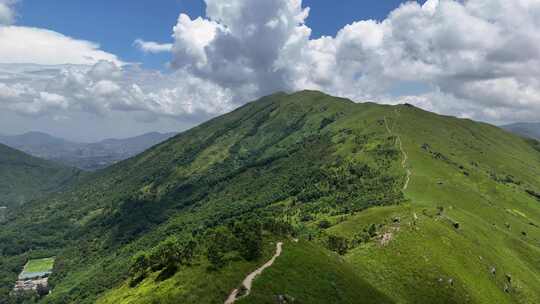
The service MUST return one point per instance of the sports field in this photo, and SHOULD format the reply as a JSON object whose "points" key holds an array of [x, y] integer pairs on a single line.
{"points": [[37, 267]]}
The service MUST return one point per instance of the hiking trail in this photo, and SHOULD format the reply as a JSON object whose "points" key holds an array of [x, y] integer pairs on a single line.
{"points": [[248, 281], [405, 156]]}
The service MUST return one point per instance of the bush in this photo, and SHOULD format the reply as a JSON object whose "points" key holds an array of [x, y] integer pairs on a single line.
{"points": [[324, 224], [168, 255], [338, 244]]}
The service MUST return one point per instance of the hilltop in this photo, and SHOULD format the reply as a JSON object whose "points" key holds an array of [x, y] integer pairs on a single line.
{"points": [[390, 204]]}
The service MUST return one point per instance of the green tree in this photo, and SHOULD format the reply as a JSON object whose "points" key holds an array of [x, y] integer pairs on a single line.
{"points": [[220, 241], [338, 244], [139, 268], [249, 235]]}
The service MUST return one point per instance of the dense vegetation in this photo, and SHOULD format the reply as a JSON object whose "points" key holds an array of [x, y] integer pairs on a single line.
{"points": [[185, 221], [23, 177]]}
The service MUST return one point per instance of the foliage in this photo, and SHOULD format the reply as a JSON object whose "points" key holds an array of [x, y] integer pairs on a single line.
{"points": [[167, 256], [280, 166], [337, 244], [24, 178]]}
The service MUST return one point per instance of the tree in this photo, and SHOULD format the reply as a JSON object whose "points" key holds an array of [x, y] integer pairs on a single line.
{"points": [[219, 243], [42, 290], [372, 230], [324, 224], [167, 256], [249, 235], [139, 264], [338, 244]]}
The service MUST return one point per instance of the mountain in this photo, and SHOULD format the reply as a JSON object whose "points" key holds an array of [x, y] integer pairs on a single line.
{"points": [[530, 130], [23, 177], [373, 204], [86, 156]]}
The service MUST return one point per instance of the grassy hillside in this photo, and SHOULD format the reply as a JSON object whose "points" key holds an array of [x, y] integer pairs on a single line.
{"points": [[391, 205], [23, 177]]}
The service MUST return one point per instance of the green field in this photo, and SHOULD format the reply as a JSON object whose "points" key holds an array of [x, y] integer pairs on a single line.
{"points": [[39, 265]]}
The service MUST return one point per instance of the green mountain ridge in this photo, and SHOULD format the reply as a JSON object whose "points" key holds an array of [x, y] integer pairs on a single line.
{"points": [[391, 204], [23, 177]]}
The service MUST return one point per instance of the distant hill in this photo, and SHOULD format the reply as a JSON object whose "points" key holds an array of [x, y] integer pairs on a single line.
{"points": [[24, 177], [531, 130], [373, 203], [86, 156]]}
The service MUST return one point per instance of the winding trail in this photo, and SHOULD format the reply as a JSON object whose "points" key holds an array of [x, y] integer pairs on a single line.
{"points": [[405, 156], [248, 281]]}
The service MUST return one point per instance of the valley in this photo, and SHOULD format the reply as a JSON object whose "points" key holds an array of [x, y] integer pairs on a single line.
{"points": [[340, 202], [85, 156]]}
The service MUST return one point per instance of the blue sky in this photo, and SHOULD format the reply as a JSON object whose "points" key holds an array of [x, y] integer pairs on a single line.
{"points": [[116, 24], [474, 59]]}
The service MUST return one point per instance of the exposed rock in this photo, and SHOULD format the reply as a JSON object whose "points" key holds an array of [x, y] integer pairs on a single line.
{"points": [[284, 299]]}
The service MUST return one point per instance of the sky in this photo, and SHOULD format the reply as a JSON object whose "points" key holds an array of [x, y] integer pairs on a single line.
{"points": [[88, 70], [122, 22]]}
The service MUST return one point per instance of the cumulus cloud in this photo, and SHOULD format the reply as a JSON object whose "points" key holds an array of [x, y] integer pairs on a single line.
{"points": [[483, 52], [7, 14], [106, 87], [477, 58], [153, 47], [41, 46], [238, 46]]}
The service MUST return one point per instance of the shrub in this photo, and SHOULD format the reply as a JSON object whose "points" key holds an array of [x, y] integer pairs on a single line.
{"points": [[338, 244], [324, 224]]}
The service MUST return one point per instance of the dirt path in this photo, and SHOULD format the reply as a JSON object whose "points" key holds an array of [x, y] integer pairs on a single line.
{"points": [[405, 156], [248, 281]]}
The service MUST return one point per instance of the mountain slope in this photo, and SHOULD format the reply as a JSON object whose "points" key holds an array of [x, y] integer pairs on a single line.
{"points": [[530, 130], [86, 156], [408, 198], [23, 177]]}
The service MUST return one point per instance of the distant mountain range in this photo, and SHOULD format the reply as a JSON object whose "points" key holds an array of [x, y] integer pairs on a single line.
{"points": [[531, 130], [86, 156]]}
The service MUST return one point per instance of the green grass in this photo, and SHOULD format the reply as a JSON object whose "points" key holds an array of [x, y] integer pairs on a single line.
{"points": [[194, 284], [304, 158], [39, 265], [311, 274], [492, 217]]}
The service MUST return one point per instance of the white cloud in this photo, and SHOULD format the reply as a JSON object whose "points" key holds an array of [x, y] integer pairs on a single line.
{"points": [[472, 54], [238, 46], [153, 47], [106, 87], [45, 47], [7, 14], [474, 58]]}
